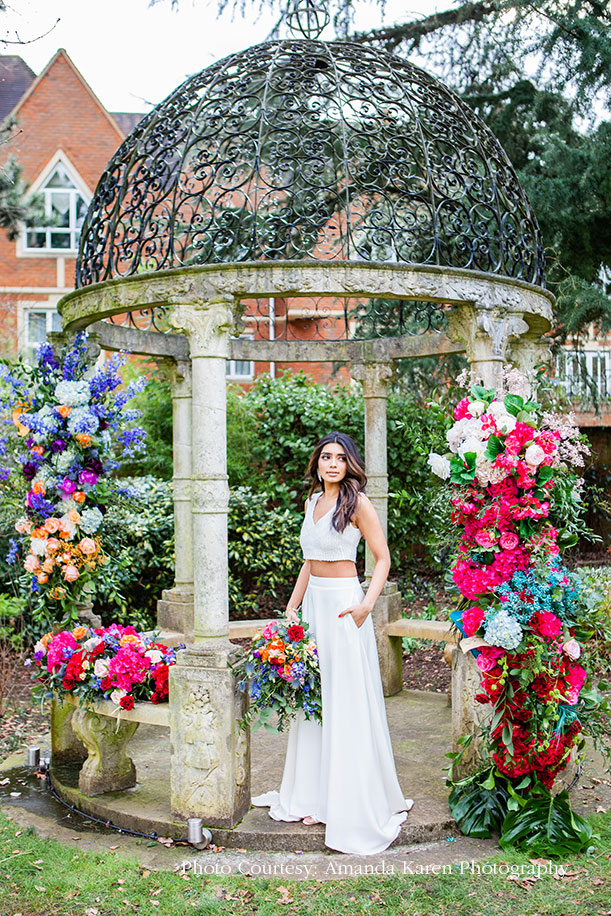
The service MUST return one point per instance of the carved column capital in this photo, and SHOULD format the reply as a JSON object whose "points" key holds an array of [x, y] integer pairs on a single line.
{"points": [[207, 323], [375, 377], [485, 332]]}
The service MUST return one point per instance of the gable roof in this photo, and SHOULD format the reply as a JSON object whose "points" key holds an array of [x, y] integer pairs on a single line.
{"points": [[15, 78], [127, 120]]}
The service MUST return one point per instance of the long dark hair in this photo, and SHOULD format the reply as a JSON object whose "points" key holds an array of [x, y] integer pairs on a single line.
{"points": [[352, 484]]}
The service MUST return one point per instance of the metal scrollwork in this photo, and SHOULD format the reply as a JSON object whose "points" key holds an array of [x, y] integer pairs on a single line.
{"points": [[301, 149]]}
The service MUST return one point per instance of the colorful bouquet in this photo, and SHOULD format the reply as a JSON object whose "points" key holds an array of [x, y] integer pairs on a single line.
{"points": [[106, 663], [283, 674], [63, 421], [519, 615]]}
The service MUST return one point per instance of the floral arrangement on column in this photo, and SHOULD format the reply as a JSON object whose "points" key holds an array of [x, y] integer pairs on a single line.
{"points": [[65, 426], [513, 473]]}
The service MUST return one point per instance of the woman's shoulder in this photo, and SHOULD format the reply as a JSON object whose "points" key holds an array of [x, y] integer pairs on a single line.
{"points": [[362, 500]]}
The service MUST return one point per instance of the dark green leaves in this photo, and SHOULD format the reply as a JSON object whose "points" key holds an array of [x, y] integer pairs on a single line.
{"points": [[546, 826], [463, 471]]}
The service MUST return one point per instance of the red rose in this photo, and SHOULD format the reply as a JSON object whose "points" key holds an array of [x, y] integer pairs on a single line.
{"points": [[69, 682], [127, 702], [295, 632], [156, 698], [105, 684]]}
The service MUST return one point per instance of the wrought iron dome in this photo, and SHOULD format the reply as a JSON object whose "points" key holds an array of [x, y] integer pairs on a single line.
{"points": [[301, 149]]}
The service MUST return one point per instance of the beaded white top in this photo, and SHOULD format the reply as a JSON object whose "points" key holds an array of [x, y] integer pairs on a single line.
{"points": [[320, 541]]}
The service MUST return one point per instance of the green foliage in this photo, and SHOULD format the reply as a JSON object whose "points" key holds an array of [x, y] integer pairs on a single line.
{"points": [[155, 402], [11, 622], [594, 627], [264, 551], [139, 543], [479, 804], [545, 825]]}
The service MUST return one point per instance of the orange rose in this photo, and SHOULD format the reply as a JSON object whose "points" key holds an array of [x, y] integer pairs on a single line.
{"points": [[48, 565], [64, 411], [79, 632], [129, 639], [42, 578], [40, 533], [64, 534], [37, 449], [39, 487], [88, 546], [52, 525], [46, 639], [71, 573], [57, 593], [83, 439], [52, 545], [73, 517], [78, 496]]}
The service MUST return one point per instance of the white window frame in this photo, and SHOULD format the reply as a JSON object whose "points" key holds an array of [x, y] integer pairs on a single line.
{"points": [[597, 366], [39, 187], [231, 373], [28, 347]]}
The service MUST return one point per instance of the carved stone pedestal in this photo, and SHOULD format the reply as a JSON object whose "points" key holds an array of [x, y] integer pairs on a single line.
{"points": [[387, 609], [175, 611], [107, 767], [467, 714], [210, 757], [66, 747]]}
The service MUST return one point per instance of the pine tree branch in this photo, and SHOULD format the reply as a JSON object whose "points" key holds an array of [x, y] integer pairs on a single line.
{"points": [[392, 36]]}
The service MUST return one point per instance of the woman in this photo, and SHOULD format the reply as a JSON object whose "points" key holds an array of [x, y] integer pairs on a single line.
{"points": [[341, 773]]}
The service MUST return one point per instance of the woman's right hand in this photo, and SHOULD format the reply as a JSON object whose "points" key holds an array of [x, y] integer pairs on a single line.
{"points": [[292, 615]]}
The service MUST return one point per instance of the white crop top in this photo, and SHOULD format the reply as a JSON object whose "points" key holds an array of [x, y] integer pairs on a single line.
{"points": [[320, 541]]}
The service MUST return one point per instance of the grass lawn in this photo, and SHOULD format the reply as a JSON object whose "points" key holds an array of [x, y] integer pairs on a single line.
{"points": [[42, 877]]}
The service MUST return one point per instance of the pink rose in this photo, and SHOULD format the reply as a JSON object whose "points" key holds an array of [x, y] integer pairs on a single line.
{"points": [[31, 563], [572, 648], [509, 540], [488, 657], [23, 525], [472, 620], [88, 546], [53, 544], [71, 573], [485, 538]]}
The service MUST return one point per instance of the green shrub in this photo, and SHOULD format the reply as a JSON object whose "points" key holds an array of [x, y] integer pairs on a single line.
{"points": [[264, 552]]}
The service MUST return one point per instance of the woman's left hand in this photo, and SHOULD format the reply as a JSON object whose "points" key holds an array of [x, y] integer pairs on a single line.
{"points": [[359, 612]]}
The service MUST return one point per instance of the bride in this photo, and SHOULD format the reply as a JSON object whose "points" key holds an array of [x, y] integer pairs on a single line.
{"points": [[341, 773]]}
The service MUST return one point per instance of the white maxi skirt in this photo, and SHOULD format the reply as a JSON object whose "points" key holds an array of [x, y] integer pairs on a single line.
{"points": [[343, 771]]}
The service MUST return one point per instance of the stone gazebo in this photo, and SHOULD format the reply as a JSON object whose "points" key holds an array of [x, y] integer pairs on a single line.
{"points": [[324, 180]]}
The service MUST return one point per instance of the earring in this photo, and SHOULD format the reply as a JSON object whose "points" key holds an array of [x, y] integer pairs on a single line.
{"points": [[318, 475]]}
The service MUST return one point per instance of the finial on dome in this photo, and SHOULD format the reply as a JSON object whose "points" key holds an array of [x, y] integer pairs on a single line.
{"points": [[306, 20]]}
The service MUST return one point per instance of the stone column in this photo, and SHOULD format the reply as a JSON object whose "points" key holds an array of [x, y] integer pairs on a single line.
{"points": [[375, 378], [210, 758], [486, 333], [175, 609]]}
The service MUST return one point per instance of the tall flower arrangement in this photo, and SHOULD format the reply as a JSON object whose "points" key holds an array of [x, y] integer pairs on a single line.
{"points": [[65, 426], [508, 460]]}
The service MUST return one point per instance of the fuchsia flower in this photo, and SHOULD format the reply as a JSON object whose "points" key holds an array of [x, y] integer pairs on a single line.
{"points": [[509, 540], [488, 656], [485, 538], [462, 410], [128, 667], [546, 624], [55, 650], [472, 620], [576, 677]]}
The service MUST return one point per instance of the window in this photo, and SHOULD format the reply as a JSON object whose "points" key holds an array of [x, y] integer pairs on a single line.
{"points": [[39, 322], [240, 370], [583, 370], [64, 211]]}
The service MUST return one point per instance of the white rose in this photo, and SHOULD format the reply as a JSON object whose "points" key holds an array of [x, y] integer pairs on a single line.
{"points": [[476, 408], [40, 647], [90, 644], [116, 695], [438, 464], [534, 455], [155, 655], [100, 669]]}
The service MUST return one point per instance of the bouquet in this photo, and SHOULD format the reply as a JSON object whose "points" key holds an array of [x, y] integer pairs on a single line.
{"points": [[64, 423], [105, 663], [283, 674]]}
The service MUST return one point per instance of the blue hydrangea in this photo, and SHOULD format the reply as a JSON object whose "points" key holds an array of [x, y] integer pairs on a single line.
{"points": [[503, 630], [81, 420], [91, 519]]}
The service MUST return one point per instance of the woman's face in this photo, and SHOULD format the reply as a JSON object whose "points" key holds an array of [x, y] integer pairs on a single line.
{"points": [[332, 464]]}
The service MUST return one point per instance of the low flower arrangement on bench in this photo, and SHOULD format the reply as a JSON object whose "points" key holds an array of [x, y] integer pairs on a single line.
{"points": [[113, 663], [516, 497], [281, 669]]}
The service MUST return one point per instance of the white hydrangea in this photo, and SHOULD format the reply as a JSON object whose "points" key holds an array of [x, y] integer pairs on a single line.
{"points": [[64, 460], [463, 430], [72, 394], [472, 445], [487, 474], [503, 630]]}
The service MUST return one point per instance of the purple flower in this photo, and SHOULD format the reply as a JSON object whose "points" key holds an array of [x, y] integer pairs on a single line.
{"points": [[29, 471], [103, 424], [38, 503], [88, 478], [95, 465], [67, 485], [58, 445]]}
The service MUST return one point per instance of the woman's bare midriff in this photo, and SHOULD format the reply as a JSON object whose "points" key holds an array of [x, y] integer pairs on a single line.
{"points": [[332, 568]]}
